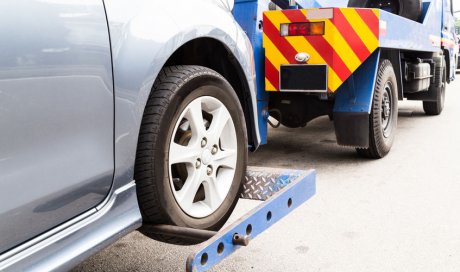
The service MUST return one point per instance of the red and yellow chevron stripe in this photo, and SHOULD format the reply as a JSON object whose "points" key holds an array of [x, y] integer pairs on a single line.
{"points": [[351, 36]]}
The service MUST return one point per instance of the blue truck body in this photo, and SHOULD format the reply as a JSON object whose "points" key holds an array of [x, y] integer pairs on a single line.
{"points": [[432, 33]]}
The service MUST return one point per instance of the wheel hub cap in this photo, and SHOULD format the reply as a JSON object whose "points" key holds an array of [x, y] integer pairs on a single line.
{"points": [[386, 114], [386, 108], [211, 140], [206, 157]]}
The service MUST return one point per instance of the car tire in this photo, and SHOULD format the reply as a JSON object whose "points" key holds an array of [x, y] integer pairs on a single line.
{"points": [[192, 152], [410, 9], [384, 113], [436, 107]]}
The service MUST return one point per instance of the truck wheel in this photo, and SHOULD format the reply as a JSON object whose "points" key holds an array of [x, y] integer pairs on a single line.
{"points": [[436, 107], [384, 113], [192, 151], [411, 9]]}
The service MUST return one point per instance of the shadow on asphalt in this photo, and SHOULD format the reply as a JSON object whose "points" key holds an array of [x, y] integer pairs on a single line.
{"points": [[315, 145], [303, 148]]}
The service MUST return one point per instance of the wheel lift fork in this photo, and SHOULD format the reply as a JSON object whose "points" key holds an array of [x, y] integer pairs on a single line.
{"points": [[281, 190]]}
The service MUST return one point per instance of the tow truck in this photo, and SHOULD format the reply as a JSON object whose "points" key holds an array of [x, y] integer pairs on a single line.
{"points": [[351, 60]]}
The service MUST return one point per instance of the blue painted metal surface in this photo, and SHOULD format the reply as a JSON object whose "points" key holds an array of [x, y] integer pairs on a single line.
{"points": [[425, 7], [299, 186], [356, 94], [448, 36], [262, 108], [248, 13], [402, 33]]}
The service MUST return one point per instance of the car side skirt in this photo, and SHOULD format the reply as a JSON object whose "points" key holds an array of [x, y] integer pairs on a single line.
{"points": [[69, 244]]}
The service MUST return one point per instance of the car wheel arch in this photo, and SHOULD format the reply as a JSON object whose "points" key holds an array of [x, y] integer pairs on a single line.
{"points": [[137, 64], [224, 61]]}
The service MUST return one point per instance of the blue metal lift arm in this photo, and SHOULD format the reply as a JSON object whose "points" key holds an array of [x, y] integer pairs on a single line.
{"points": [[284, 190]]}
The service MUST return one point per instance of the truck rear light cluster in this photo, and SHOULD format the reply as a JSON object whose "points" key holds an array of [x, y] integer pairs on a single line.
{"points": [[302, 29]]}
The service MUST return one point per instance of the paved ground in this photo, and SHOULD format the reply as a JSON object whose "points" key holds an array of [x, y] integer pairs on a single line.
{"points": [[401, 213]]}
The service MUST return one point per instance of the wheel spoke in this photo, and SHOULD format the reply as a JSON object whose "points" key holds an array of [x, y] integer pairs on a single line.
{"points": [[220, 118], [226, 158], [183, 154], [195, 116], [213, 196], [209, 157], [186, 195]]}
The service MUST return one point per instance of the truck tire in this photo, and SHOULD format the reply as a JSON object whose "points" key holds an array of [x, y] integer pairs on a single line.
{"points": [[410, 9], [436, 107], [192, 152], [384, 113]]}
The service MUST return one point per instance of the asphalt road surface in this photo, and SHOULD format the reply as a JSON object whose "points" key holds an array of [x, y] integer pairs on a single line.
{"points": [[401, 213]]}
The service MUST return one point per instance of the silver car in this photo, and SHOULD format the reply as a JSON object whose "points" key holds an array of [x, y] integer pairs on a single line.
{"points": [[115, 115]]}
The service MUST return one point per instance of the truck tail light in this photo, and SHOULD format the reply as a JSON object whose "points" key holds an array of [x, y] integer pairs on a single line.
{"points": [[302, 29]]}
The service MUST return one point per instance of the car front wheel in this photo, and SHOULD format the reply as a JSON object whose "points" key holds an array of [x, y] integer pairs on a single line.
{"points": [[192, 151]]}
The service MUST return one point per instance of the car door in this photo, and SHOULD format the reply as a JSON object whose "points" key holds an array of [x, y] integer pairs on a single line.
{"points": [[56, 114]]}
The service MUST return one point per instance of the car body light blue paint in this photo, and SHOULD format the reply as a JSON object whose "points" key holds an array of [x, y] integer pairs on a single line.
{"points": [[141, 51], [78, 239], [356, 94]]}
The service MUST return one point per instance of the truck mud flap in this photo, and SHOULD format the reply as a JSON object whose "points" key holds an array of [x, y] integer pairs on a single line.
{"points": [[352, 128]]}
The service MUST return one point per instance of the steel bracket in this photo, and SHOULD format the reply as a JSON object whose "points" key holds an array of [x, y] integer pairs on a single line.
{"points": [[281, 190]]}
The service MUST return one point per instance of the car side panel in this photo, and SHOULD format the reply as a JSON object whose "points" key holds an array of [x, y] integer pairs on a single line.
{"points": [[56, 114]]}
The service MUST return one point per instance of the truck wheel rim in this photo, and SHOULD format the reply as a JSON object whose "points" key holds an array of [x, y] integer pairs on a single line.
{"points": [[387, 114], [202, 156]]}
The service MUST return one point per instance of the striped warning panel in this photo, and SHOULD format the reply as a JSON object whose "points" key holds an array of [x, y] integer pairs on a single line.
{"points": [[351, 35]]}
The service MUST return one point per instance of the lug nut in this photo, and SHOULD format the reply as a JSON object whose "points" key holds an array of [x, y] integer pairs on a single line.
{"points": [[198, 163], [204, 141], [214, 149], [209, 170]]}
